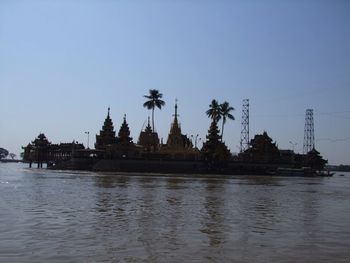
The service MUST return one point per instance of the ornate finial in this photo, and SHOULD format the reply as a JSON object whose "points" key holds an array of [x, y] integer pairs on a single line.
{"points": [[176, 115], [149, 121], [108, 110], [124, 117]]}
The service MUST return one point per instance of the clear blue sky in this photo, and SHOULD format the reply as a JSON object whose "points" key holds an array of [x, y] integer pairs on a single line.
{"points": [[62, 63]]}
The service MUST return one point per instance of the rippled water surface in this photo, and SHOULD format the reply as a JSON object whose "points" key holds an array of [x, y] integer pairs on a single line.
{"points": [[53, 216]]}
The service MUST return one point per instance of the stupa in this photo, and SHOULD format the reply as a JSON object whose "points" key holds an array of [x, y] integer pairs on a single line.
{"points": [[107, 134]]}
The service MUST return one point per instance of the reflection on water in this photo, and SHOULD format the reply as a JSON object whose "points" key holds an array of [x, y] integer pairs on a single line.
{"points": [[88, 217]]}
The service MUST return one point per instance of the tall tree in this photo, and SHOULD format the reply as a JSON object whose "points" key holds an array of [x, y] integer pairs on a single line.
{"points": [[154, 100], [225, 114], [3, 153], [214, 111]]}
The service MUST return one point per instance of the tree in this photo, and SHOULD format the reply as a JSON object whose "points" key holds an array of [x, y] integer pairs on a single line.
{"points": [[154, 100], [225, 110], [12, 155], [214, 111], [3, 153]]}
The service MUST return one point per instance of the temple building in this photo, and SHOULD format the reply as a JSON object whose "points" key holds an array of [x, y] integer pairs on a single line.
{"points": [[125, 148], [107, 134], [148, 139], [112, 146], [178, 145], [176, 140]]}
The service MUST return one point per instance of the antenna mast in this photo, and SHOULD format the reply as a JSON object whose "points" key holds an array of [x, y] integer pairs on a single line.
{"points": [[309, 133], [245, 126]]}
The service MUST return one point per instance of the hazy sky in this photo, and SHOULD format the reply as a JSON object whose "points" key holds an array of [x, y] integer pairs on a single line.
{"points": [[62, 63]]}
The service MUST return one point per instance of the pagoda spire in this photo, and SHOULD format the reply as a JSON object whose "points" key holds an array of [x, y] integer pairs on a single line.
{"points": [[124, 133], [149, 139], [175, 115], [175, 137], [107, 133]]}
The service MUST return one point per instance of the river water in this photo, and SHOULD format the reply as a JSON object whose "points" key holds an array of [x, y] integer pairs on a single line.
{"points": [[60, 216]]}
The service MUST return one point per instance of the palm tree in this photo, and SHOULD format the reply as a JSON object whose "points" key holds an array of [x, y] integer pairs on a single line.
{"points": [[214, 111], [154, 101], [225, 110]]}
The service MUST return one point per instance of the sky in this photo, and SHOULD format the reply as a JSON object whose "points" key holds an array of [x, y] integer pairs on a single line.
{"points": [[63, 63]]}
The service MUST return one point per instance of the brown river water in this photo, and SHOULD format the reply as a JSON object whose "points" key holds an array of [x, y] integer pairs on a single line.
{"points": [[65, 216]]}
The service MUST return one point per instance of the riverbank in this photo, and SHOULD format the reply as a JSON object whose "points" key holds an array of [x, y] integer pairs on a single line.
{"points": [[11, 161]]}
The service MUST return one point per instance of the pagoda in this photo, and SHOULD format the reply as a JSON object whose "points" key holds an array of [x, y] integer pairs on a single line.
{"points": [[148, 139], [178, 145], [41, 145], [107, 134], [124, 146], [124, 134], [176, 140], [214, 151]]}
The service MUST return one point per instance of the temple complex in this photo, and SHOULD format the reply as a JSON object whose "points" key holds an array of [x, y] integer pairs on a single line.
{"points": [[178, 145], [119, 153]]}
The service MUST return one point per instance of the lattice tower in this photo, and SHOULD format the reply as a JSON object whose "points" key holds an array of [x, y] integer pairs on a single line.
{"points": [[309, 133], [244, 145]]}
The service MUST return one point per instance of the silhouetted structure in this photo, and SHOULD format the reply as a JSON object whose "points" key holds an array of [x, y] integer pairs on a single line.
{"points": [[42, 151], [107, 134], [124, 147], [40, 146], [262, 150], [148, 139], [244, 144], [178, 145], [309, 133], [120, 153], [314, 160], [215, 152]]}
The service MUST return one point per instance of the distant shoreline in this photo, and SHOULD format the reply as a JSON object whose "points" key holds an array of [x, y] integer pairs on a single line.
{"points": [[11, 161]]}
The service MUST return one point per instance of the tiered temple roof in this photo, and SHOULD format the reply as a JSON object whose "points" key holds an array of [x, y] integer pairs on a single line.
{"points": [[176, 140], [175, 137], [107, 134], [124, 133], [149, 139]]}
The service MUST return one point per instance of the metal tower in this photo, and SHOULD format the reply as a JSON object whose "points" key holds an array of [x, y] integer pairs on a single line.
{"points": [[245, 126], [309, 133]]}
